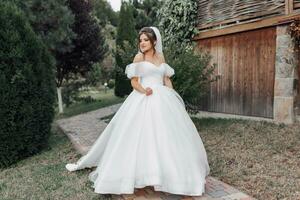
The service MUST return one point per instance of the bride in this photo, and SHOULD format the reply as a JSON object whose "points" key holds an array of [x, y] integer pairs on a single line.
{"points": [[151, 140]]}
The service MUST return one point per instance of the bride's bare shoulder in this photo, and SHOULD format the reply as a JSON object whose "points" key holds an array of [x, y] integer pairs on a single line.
{"points": [[138, 57]]}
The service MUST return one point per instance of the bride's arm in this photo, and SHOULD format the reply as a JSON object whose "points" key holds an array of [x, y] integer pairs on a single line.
{"points": [[136, 85], [134, 80], [168, 82]]}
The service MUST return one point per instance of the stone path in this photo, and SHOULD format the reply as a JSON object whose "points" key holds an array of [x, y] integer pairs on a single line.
{"points": [[85, 128]]}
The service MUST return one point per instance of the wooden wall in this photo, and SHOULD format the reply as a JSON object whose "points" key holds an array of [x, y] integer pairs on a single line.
{"points": [[246, 63]]}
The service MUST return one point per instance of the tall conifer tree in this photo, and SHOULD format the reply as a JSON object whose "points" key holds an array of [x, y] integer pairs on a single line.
{"points": [[126, 44]]}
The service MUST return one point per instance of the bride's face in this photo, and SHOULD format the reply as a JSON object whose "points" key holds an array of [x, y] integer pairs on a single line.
{"points": [[145, 44]]}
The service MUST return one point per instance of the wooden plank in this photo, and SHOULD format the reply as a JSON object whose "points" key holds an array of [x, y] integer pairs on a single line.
{"points": [[220, 93], [235, 74], [287, 7], [248, 26], [243, 71], [250, 45], [291, 6], [208, 46], [216, 92], [271, 71], [256, 87], [229, 73], [296, 6], [262, 79]]}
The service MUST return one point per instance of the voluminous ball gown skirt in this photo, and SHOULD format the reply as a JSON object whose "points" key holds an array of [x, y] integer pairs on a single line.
{"points": [[150, 141]]}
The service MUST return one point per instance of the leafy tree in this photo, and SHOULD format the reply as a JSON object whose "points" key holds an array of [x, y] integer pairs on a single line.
{"points": [[178, 20], [145, 13], [27, 91], [51, 20], [95, 75], [107, 65], [105, 14], [108, 19], [89, 45], [70, 33]]}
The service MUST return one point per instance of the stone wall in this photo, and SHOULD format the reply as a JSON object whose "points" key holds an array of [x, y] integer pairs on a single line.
{"points": [[297, 104], [285, 75]]}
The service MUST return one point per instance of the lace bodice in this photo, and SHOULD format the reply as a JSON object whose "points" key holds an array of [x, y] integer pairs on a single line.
{"points": [[149, 74]]}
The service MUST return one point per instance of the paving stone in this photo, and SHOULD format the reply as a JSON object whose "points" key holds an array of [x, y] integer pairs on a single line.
{"points": [[140, 192], [172, 197], [247, 198], [154, 198], [218, 193], [140, 198], [117, 197], [129, 196], [238, 196], [204, 197], [149, 190]]}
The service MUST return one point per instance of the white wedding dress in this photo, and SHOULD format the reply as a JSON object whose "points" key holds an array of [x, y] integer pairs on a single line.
{"points": [[150, 141]]}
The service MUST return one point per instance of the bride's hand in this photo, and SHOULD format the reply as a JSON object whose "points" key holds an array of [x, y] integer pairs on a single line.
{"points": [[148, 91]]}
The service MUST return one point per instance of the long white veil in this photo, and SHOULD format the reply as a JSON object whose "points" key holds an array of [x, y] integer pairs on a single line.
{"points": [[158, 46]]}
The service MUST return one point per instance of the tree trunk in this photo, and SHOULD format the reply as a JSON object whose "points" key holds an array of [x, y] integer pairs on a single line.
{"points": [[60, 103]]}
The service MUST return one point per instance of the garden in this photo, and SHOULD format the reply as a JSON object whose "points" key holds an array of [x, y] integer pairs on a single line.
{"points": [[63, 58]]}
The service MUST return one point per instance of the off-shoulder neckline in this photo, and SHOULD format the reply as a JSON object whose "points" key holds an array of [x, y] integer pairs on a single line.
{"points": [[158, 66]]}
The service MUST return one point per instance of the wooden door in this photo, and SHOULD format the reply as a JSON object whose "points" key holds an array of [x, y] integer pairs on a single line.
{"points": [[245, 62]]}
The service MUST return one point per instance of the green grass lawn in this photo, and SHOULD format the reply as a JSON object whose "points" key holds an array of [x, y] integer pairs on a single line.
{"points": [[259, 158], [103, 100], [44, 176]]}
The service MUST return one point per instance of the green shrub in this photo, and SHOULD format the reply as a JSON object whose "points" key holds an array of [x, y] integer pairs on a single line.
{"points": [[294, 31], [87, 99], [27, 91], [111, 83], [94, 76], [193, 73], [70, 91]]}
